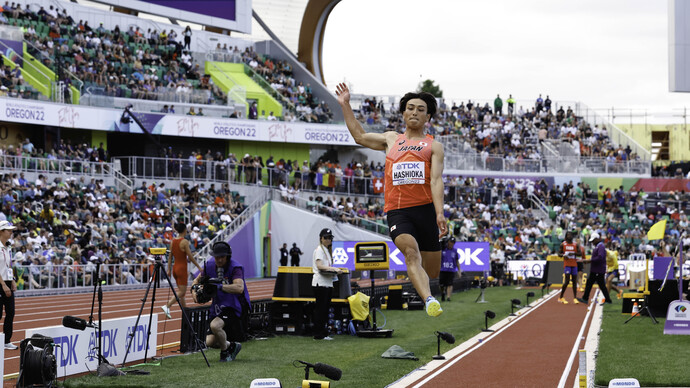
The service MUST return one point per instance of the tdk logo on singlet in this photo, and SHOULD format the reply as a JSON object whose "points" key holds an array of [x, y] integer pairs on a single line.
{"points": [[404, 166]]}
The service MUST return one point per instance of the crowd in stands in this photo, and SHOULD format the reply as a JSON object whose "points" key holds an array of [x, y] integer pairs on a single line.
{"points": [[12, 83], [501, 212], [279, 75], [154, 65], [65, 226], [513, 133]]}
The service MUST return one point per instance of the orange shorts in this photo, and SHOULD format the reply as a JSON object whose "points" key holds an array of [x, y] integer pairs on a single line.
{"points": [[180, 275]]}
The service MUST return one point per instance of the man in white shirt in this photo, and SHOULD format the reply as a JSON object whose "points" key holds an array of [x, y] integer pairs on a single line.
{"points": [[9, 286], [322, 283]]}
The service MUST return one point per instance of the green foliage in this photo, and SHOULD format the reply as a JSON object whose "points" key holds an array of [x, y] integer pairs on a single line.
{"points": [[430, 87], [639, 349], [359, 358]]}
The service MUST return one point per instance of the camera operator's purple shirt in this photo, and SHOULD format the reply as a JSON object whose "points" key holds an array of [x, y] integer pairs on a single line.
{"points": [[599, 259], [232, 270]]}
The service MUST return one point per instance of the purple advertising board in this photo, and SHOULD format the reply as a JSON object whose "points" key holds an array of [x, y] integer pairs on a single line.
{"points": [[13, 50], [217, 8], [473, 256]]}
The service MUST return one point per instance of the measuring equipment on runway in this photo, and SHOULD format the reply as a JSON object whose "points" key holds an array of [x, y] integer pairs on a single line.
{"points": [[370, 256]]}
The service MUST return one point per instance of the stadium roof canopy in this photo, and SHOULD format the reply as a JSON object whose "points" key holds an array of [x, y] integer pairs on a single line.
{"points": [[299, 24]]}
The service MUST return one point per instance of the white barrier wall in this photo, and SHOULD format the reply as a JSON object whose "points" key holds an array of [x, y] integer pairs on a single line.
{"points": [[75, 351], [535, 268]]}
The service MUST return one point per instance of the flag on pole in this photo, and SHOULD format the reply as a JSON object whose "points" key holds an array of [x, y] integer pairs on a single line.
{"points": [[319, 179], [657, 231]]}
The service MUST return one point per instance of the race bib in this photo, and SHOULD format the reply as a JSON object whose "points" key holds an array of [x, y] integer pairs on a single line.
{"points": [[408, 173]]}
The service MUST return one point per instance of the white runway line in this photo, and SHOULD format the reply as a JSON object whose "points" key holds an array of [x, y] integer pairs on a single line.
{"points": [[467, 347], [573, 353]]}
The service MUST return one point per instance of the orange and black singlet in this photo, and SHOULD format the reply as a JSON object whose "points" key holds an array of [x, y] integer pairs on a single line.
{"points": [[408, 173]]}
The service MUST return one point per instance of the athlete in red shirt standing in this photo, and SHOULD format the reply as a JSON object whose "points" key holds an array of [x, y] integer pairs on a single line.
{"points": [[571, 251], [413, 190]]}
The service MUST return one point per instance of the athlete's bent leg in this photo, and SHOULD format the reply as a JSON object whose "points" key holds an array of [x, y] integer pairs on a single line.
{"points": [[431, 262], [413, 259]]}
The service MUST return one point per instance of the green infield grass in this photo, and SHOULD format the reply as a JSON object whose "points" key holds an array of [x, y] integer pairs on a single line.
{"points": [[639, 349], [358, 358]]}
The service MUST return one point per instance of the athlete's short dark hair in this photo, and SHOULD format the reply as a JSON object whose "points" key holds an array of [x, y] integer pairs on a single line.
{"points": [[424, 96], [180, 227]]}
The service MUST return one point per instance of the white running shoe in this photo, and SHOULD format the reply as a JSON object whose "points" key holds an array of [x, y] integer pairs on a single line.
{"points": [[166, 310], [10, 346]]}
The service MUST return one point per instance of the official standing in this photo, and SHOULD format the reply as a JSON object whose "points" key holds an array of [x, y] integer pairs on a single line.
{"points": [[597, 272], [449, 267], [284, 255], [295, 253], [9, 286], [322, 283]]}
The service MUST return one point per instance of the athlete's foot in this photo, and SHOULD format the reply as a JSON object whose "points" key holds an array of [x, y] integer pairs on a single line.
{"points": [[166, 310], [562, 300], [575, 301], [620, 294], [433, 307], [582, 300]]}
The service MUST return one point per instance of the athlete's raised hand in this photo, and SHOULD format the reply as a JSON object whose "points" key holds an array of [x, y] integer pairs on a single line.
{"points": [[343, 93]]}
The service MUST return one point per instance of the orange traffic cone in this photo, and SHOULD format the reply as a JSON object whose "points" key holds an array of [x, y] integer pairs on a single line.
{"points": [[635, 310]]}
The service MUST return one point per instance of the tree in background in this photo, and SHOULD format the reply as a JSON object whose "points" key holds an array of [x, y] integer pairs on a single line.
{"points": [[430, 87]]}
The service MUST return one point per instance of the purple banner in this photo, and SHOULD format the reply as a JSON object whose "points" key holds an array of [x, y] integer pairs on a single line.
{"points": [[661, 270], [225, 9], [243, 249], [13, 50], [473, 256]]}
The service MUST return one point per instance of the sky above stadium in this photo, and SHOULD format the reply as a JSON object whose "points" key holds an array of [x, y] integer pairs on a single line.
{"points": [[605, 54]]}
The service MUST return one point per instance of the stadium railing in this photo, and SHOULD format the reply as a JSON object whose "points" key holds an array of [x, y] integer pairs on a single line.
{"points": [[572, 165], [234, 226], [96, 96], [65, 168], [60, 276], [211, 171]]}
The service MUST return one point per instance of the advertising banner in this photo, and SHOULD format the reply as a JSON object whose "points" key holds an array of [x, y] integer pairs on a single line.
{"points": [[678, 318], [473, 256], [115, 120], [76, 352]]}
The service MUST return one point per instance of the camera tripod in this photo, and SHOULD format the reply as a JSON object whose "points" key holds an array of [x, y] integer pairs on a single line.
{"points": [[155, 279]]}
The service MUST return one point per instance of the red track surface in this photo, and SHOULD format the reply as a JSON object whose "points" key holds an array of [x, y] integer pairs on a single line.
{"points": [[544, 338], [42, 311]]}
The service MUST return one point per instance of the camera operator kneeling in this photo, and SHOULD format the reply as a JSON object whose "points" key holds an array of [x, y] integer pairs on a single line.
{"points": [[222, 279]]}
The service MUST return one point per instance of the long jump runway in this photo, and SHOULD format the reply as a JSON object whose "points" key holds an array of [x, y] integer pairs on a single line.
{"points": [[536, 349], [41, 311]]}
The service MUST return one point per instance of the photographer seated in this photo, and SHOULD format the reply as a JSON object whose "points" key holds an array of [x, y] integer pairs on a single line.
{"points": [[222, 280]]}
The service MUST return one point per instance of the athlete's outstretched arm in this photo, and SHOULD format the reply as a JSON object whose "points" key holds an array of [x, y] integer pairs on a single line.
{"points": [[375, 141], [437, 185]]}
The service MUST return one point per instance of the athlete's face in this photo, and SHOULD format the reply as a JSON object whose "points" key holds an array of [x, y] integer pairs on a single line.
{"points": [[416, 114]]}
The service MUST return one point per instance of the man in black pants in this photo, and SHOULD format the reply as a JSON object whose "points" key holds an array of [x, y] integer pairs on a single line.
{"points": [[322, 283], [9, 286], [295, 253], [597, 272], [284, 255]]}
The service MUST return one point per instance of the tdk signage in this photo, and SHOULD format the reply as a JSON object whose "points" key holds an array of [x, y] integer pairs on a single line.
{"points": [[473, 256], [75, 350]]}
